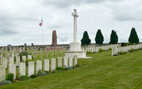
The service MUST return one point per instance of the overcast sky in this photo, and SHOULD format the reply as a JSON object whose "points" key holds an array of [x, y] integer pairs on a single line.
{"points": [[19, 20]]}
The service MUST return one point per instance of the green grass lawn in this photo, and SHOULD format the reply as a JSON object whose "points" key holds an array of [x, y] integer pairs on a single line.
{"points": [[103, 71]]}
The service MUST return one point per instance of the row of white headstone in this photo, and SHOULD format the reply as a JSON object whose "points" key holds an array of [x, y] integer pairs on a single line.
{"points": [[10, 60], [14, 53], [61, 62], [96, 49], [116, 50]]}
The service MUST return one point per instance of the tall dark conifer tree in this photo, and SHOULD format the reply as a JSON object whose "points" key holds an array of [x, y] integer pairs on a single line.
{"points": [[113, 37], [99, 37], [85, 40], [133, 38]]}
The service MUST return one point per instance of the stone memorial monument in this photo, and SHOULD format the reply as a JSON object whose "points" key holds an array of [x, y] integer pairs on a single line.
{"points": [[75, 47], [54, 39]]}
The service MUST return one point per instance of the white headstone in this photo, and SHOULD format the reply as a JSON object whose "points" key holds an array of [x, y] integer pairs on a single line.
{"points": [[4, 62], [22, 69], [30, 57], [46, 64], [12, 69], [53, 64], [75, 60], [24, 58], [1, 59], [2, 73], [30, 68], [38, 66], [70, 61], [59, 63], [12, 53], [65, 63], [17, 60], [11, 60]]}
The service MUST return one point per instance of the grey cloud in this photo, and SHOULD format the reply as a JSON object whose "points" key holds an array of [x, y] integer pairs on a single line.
{"points": [[7, 31], [67, 3], [7, 28], [127, 10]]}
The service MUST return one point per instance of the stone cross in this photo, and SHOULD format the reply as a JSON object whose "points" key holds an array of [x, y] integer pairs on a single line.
{"points": [[75, 25]]}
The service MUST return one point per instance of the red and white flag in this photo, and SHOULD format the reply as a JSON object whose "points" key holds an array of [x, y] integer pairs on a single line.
{"points": [[41, 23]]}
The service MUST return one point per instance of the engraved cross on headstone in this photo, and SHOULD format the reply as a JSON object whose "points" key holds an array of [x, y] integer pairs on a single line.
{"points": [[75, 25]]}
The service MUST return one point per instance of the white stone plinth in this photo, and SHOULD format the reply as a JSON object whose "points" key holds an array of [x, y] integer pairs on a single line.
{"points": [[80, 54], [75, 46]]}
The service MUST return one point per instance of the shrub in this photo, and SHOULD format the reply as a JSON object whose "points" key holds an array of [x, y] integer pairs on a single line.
{"points": [[126, 44], [5, 82], [47, 72], [33, 76], [38, 73], [42, 74], [59, 68], [22, 78], [88, 52], [110, 48], [124, 52], [101, 50], [65, 68], [69, 68], [10, 77], [131, 50], [120, 53], [78, 65], [54, 71]]}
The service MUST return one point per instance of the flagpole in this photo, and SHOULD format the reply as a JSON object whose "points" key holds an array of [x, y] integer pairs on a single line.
{"points": [[42, 31]]}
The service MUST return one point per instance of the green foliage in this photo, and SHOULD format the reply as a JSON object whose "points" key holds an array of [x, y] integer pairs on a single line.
{"points": [[33, 76], [99, 37], [65, 68], [120, 53], [42, 74], [110, 48], [101, 50], [54, 71], [69, 68], [38, 73], [59, 68], [10, 77], [27, 60], [22, 78], [113, 37], [133, 38], [85, 40], [78, 65], [124, 52], [131, 50], [126, 44], [47, 72], [5, 82], [88, 52], [23, 54]]}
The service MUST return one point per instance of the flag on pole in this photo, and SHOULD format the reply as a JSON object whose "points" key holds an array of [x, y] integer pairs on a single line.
{"points": [[41, 23]]}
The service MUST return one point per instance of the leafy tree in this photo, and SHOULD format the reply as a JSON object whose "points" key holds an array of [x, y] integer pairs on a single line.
{"points": [[113, 37], [133, 38], [85, 40], [99, 37]]}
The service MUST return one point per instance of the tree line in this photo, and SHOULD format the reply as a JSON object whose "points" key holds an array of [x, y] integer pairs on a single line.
{"points": [[99, 38]]}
